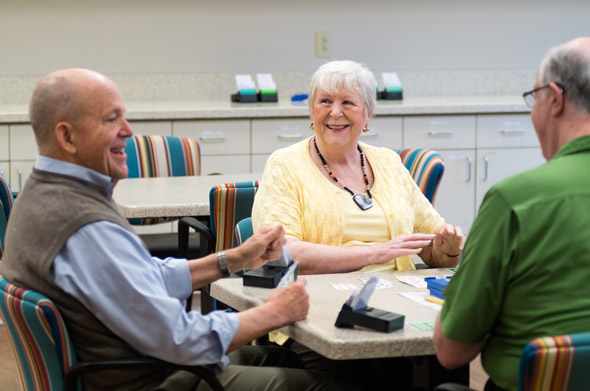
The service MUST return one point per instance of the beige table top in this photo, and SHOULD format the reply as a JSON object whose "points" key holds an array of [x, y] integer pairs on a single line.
{"points": [[318, 332], [170, 196]]}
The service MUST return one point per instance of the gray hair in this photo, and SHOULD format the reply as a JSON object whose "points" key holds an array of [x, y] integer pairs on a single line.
{"points": [[570, 67], [335, 76], [53, 99]]}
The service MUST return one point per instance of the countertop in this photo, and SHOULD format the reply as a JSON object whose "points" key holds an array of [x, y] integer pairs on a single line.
{"points": [[217, 109]]}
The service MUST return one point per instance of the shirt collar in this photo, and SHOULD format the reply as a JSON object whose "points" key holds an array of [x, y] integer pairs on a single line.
{"points": [[580, 144], [45, 163]]}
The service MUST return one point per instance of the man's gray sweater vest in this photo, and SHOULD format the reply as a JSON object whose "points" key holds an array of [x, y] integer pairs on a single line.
{"points": [[50, 208]]}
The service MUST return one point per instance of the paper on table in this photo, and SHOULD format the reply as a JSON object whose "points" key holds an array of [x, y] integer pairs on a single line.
{"points": [[419, 297], [381, 283], [344, 286], [413, 281]]}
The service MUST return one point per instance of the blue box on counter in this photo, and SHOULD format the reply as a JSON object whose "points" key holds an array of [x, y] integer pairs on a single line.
{"points": [[436, 285]]}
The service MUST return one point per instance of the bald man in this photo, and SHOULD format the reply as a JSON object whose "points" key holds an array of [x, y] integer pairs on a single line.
{"points": [[67, 240], [526, 263]]}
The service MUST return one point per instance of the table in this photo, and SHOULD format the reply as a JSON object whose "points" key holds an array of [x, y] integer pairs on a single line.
{"points": [[318, 332], [170, 196]]}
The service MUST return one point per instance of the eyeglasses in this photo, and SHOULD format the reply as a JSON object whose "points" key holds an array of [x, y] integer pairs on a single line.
{"points": [[529, 96]]}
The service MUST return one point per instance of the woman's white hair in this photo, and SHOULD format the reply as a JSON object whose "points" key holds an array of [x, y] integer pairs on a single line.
{"points": [[336, 76]]}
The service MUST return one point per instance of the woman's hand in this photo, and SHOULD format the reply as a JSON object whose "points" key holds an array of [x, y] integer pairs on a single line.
{"points": [[401, 246], [449, 241]]}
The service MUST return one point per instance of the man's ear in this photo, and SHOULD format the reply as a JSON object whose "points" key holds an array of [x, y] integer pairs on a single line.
{"points": [[557, 100], [65, 137]]}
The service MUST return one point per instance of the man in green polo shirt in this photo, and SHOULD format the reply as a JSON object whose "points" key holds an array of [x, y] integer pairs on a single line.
{"points": [[526, 264]]}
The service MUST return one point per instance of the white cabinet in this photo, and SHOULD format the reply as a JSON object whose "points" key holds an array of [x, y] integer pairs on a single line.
{"points": [[4, 153], [506, 145], [225, 144], [440, 132], [384, 132], [455, 195], [23, 151], [148, 128]]}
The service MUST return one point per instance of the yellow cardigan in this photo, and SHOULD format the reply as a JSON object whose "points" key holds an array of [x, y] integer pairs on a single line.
{"points": [[293, 192]]}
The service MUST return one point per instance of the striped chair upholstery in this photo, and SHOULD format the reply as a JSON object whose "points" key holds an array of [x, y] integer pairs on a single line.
{"points": [[161, 156], [426, 167], [44, 351], [6, 201], [39, 338], [230, 203], [556, 363]]}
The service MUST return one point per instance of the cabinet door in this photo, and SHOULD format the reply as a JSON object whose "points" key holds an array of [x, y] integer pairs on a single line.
{"points": [[384, 132], [506, 130], [145, 128], [493, 165], [216, 137], [22, 142], [19, 172], [454, 200], [4, 155], [439, 132], [268, 135], [226, 164], [5, 171]]}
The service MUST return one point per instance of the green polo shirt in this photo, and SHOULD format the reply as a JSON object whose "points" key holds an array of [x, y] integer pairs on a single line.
{"points": [[526, 265]]}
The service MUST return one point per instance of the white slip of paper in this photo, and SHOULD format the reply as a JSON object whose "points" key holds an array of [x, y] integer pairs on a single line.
{"points": [[420, 298], [381, 284], [413, 281]]}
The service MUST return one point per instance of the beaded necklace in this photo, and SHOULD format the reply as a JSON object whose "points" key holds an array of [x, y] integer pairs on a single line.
{"points": [[361, 200]]}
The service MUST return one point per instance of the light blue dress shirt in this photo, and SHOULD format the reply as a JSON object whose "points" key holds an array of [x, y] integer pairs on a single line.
{"points": [[138, 297]]}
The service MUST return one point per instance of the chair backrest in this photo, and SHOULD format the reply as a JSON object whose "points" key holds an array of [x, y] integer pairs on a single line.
{"points": [[556, 363], [230, 203], [426, 167], [6, 201], [39, 337], [161, 156], [244, 230]]}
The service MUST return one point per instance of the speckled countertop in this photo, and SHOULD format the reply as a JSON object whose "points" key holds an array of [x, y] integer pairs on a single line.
{"points": [[318, 331], [217, 109]]}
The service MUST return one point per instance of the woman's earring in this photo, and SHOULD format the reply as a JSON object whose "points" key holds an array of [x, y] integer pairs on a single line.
{"points": [[311, 126], [366, 129]]}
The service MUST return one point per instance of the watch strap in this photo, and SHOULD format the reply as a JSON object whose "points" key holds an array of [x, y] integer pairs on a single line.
{"points": [[222, 262]]}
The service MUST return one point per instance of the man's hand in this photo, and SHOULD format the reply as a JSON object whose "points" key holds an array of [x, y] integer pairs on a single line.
{"points": [[265, 245], [291, 302]]}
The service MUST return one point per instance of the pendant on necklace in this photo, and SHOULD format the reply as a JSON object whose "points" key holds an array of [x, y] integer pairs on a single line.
{"points": [[362, 201]]}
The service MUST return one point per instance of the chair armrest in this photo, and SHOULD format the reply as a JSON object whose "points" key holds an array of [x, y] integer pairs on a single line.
{"points": [[72, 374], [207, 242]]}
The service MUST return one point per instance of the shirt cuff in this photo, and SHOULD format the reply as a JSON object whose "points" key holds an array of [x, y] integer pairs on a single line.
{"points": [[176, 276]]}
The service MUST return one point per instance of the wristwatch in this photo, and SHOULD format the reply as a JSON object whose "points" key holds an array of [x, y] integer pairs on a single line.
{"points": [[222, 262]]}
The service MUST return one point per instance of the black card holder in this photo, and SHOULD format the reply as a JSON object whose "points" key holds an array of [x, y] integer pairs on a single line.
{"points": [[371, 318]]}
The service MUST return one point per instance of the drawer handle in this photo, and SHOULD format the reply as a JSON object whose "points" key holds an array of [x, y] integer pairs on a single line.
{"points": [[290, 137], [486, 162], [370, 135], [469, 164], [20, 179], [435, 133], [513, 132], [214, 139]]}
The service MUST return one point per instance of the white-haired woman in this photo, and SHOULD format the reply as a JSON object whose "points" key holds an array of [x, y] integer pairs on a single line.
{"points": [[346, 205]]}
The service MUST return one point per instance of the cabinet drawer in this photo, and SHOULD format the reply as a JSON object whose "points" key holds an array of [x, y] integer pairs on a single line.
{"points": [[216, 137], [384, 132], [439, 132], [269, 135], [4, 155], [506, 130], [145, 128], [231, 164], [22, 142]]}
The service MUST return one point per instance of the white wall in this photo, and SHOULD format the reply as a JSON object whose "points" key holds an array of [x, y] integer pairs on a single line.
{"points": [[182, 36]]}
